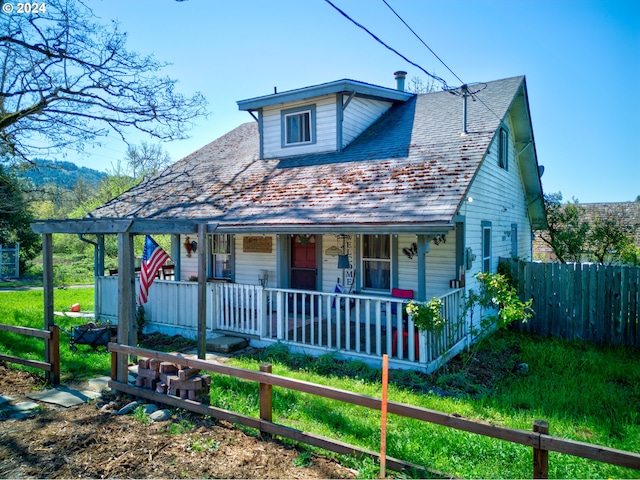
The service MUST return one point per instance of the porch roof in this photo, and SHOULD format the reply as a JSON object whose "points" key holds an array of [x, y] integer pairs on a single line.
{"points": [[410, 170]]}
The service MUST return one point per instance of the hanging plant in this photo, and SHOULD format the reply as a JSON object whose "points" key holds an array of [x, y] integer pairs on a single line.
{"points": [[303, 239], [427, 316]]}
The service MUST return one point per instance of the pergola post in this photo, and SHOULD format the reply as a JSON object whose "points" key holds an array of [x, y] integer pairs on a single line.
{"points": [[47, 282], [126, 302], [202, 291]]}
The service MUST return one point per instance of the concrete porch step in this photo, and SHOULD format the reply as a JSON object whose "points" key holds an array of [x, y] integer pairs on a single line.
{"points": [[226, 344]]}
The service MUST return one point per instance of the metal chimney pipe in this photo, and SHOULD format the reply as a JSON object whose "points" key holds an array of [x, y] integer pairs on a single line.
{"points": [[465, 94], [400, 76]]}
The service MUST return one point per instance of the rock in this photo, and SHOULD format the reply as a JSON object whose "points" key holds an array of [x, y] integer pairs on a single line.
{"points": [[160, 415], [150, 408], [522, 368], [128, 408], [25, 406]]}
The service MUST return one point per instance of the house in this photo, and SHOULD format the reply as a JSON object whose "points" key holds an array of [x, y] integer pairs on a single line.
{"points": [[334, 205], [626, 214]]}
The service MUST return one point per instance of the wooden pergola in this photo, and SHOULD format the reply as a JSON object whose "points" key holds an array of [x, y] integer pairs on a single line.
{"points": [[125, 229]]}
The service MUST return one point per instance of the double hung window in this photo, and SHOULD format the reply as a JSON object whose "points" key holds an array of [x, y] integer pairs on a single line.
{"points": [[486, 246], [221, 255], [503, 149], [376, 262]]}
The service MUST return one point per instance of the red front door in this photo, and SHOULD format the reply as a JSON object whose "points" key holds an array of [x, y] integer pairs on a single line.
{"points": [[303, 262]]}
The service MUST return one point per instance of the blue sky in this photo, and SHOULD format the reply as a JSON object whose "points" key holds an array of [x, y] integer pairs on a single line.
{"points": [[581, 59]]}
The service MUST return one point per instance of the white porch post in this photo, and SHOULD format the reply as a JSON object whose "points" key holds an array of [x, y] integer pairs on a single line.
{"points": [[423, 249]]}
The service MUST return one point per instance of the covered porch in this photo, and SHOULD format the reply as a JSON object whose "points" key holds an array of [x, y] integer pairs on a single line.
{"points": [[353, 326], [361, 325]]}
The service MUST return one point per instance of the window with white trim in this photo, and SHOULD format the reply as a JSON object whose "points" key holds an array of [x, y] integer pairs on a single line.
{"points": [[221, 256], [376, 262], [503, 148], [486, 246], [298, 126]]}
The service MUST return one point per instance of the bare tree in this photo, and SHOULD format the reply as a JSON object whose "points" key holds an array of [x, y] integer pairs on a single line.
{"points": [[145, 160], [416, 85], [66, 79]]}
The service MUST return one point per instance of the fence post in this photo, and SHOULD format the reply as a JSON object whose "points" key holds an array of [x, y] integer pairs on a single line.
{"points": [[114, 361], [54, 355], [266, 399], [540, 457]]}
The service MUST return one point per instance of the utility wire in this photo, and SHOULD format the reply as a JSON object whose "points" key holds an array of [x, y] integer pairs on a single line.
{"points": [[422, 41], [445, 86], [465, 87], [435, 77]]}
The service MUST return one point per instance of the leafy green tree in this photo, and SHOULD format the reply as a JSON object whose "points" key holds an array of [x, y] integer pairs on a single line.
{"points": [[15, 218], [610, 237], [568, 230], [66, 80]]}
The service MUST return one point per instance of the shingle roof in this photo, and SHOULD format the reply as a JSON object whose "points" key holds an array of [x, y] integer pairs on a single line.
{"points": [[410, 167]]}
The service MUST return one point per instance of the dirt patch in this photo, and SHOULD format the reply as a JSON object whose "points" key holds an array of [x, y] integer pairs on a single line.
{"points": [[84, 441]]}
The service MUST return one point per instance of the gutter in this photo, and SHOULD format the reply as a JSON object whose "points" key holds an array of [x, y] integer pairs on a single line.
{"points": [[417, 229]]}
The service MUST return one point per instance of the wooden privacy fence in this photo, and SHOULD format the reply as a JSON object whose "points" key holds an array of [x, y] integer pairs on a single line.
{"points": [[538, 439], [51, 365], [595, 303]]}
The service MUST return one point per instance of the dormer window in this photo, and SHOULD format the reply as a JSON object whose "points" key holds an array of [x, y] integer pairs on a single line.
{"points": [[298, 126]]}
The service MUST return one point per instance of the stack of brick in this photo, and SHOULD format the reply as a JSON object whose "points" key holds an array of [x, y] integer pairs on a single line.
{"points": [[148, 373], [171, 379]]}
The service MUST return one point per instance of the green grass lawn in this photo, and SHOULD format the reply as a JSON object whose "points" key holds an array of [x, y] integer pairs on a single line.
{"points": [[26, 308], [586, 392]]}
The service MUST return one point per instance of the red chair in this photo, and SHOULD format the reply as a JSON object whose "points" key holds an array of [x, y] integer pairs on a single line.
{"points": [[407, 295]]}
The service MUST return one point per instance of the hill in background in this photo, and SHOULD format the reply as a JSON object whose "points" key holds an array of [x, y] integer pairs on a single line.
{"points": [[61, 173]]}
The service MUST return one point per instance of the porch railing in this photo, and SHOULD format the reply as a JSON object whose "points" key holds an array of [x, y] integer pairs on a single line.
{"points": [[359, 325]]}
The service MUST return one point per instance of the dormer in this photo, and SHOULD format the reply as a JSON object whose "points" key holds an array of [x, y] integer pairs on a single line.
{"points": [[321, 118]]}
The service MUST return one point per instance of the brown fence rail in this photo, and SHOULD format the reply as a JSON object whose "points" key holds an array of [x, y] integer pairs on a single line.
{"points": [[51, 365], [595, 303], [538, 439]]}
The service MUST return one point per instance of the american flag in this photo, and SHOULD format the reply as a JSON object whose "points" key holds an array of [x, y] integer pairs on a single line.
{"points": [[153, 257]]}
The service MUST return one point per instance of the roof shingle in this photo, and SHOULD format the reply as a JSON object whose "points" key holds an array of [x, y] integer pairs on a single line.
{"points": [[412, 166]]}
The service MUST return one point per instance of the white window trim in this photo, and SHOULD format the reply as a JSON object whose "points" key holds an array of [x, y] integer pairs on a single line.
{"points": [[375, 259], [284, 114], [486, 226], [229, 243], [503, 148]]}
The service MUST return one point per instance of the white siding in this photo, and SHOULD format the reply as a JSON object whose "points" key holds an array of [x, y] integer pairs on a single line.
{"points": [[498, 197], [188, 265], [325, 128], [407, 267], [248, 265], [330, 270], [359, 115], [441, 266]]}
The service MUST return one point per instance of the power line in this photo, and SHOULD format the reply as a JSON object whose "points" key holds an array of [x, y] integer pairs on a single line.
{"points": [[464, 88], [435, 77], [445, 86], [422, 41]]}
